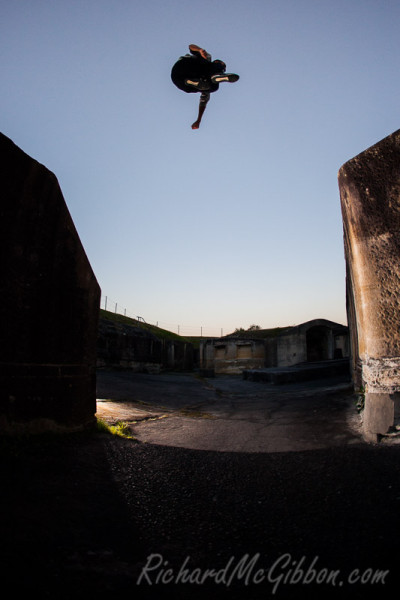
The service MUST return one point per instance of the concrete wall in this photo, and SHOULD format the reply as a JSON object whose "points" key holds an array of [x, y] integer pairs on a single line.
{"points": [[122, 345], [49, 304], [236, 355], [206, 355], [369, 187], [232, 356], [291, 349], [341, 346], [177, 355], [127, 347], [313, 341]]}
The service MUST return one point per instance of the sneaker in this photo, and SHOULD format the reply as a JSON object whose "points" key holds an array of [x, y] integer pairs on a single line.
{"points": [[221, 77], [200, 84], [200, 51]]}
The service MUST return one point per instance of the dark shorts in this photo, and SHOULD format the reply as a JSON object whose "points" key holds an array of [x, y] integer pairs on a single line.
{"points": [[193, 67]]}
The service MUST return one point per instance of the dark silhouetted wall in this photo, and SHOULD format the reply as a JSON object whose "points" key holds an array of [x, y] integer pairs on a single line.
{"points": [[49, 303]]}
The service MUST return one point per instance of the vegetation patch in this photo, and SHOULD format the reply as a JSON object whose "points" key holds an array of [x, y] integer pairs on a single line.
{"points": [[360, 400], [255, 332], [161, 334], [120, 429]]}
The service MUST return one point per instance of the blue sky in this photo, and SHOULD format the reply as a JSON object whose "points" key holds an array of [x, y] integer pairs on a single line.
{"points": [[237, 223]]}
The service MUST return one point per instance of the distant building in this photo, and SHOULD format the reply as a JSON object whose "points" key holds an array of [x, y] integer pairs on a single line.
{"points": [[310, 342]]}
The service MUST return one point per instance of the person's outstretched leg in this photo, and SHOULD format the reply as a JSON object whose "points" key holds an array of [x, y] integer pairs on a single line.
{"points": [[227, 77]]}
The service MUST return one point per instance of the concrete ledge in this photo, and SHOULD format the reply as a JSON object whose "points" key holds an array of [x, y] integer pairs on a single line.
{"points": [[298, 373]]}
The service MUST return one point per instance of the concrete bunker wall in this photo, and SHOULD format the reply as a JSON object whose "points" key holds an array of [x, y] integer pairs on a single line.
{"points": [[369, 187], [314, 341], [233, 356], [50, 304], [291, 348], [122, 345]]}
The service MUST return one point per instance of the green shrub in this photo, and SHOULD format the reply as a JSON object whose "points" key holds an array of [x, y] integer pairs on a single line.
{"points": [[120, 429]]}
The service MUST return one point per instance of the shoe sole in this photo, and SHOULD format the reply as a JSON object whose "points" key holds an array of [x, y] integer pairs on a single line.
{"points": [[229, 78], [200, 85]]}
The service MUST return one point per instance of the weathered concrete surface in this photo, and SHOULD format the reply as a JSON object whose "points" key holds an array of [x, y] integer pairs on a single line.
{"points": [[123, 344], [316, 340], [370, 199], [50, 302], [302, 372], [232, 355], [228, 414], [126, 346], [378, 414]]}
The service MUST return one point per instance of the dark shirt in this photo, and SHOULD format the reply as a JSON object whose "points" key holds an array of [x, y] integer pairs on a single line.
{"points": [[194, 67]]}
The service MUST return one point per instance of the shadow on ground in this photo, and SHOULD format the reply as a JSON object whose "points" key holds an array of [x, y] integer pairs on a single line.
{"points": [[82, 517], [81, 514]]}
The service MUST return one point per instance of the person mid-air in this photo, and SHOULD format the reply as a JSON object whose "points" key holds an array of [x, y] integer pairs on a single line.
{"points": [[196, 72]]}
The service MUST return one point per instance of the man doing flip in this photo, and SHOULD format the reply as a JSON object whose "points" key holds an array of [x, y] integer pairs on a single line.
{"points": [[195, 72]]}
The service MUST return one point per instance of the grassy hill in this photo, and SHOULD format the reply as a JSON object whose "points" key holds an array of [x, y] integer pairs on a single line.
{"points": [[162, 334], [259, 333]]}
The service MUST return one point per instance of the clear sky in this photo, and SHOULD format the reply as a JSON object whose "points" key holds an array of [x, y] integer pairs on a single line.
{"points": [[239, 222]]}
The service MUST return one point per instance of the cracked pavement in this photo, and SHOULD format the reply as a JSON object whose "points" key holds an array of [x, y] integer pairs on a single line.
{"points": [[229, 414]]}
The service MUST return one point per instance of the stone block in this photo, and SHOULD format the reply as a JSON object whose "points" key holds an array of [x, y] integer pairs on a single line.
{"points": [[369, 187], [50, 304], [378, 415]]}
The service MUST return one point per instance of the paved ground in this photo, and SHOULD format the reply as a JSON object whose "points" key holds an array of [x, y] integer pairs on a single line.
{"points": [[229, 414], [240, 491]]}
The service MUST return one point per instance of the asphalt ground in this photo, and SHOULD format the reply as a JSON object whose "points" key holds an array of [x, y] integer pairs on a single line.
{"points": [[229, 414], [171, 515]]}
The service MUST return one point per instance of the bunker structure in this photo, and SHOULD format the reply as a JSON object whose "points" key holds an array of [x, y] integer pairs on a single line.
{"points": [[49, 304], [259, 353], [369, 186], [128, 345]]}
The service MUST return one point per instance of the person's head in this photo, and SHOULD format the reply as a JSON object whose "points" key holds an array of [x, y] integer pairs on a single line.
{"points": [[221, 65]]}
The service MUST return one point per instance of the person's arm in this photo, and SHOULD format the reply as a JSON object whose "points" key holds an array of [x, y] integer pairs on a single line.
{"points": [[194, 49], [204, 98]]}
